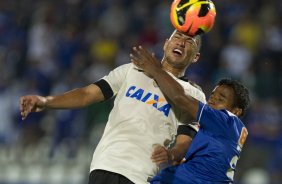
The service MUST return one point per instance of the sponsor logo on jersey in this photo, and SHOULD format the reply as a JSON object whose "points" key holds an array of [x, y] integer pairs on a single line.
{"points": [[149, 98]]}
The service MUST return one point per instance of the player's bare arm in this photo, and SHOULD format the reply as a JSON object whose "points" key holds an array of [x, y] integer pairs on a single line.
{"points": [[175, 154], [76, 98], [174, 91], [180, 148]]}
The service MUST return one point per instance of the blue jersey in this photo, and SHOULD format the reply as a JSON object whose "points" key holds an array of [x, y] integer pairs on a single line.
{"points": [[214, 151]]}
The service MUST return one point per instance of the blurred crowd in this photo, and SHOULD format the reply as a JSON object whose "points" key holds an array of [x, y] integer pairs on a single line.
{"points": [[51, 46]]}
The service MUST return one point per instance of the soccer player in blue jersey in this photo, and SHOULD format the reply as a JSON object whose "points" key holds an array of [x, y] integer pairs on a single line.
{"points": [[215, 150]]}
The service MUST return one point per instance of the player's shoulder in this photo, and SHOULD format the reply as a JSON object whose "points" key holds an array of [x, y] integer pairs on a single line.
{"points": [[193, 89], [195, 85], [186, 83], [131, 67], [124, 68], [232, 116]]}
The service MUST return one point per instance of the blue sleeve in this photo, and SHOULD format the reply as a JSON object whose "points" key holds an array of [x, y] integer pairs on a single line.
{"points": [[212, 120]]}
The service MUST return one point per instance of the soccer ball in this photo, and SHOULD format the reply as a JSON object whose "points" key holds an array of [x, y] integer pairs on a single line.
{"points": [[192, 17]]}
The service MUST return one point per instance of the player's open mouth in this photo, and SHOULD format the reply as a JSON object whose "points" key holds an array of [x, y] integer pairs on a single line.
{"points": [[177, 52]]}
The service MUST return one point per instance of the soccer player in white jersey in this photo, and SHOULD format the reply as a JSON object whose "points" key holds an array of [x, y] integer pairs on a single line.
{"points": [[140, 119]]}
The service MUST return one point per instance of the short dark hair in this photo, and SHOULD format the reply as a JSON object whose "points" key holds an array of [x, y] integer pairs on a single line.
{"points": [[241, 98]]}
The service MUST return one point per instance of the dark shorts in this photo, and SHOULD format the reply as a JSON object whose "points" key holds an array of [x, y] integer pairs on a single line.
{"points": [[106, 177]]}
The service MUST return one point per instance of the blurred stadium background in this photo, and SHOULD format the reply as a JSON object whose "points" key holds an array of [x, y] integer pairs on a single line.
{"points": [[48, 47]]}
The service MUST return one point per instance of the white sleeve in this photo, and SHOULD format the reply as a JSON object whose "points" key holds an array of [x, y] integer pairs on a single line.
{"points": [[196, 93], [117, 76]]}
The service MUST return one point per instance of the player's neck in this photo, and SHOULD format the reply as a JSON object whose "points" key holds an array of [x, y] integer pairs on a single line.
{"points": [[177, 72]]}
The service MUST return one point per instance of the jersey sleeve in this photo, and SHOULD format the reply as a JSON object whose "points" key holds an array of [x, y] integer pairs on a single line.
{"points": [[105, 88], [189, 129], [212, 120], [195, 93], [116, 77]]}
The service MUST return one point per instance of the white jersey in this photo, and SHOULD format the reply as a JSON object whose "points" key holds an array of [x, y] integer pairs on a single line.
{"points": [[141, 117]]}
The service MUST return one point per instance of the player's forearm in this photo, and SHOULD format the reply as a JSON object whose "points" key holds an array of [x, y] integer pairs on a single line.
{"points": [[175, 155], [178, 152], [174, 91], [76, 98], [168, 85], [71, 99]]}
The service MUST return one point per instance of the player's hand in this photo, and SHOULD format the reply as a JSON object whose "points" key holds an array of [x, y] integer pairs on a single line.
{"points": [[31, 103], [160, 155], [145, 60]]}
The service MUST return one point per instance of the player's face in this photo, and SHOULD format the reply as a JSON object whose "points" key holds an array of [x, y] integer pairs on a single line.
{"points": [[222, 97], [180, 50]]}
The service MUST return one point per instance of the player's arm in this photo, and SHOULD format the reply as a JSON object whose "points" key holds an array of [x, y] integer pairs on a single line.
{"points": [[181, 146], [174, 155], [75, 98], [185, 135], [172, 89]]}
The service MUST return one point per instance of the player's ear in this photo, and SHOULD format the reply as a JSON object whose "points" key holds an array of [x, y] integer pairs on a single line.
{"points": [[196, 58], [237, 111]]}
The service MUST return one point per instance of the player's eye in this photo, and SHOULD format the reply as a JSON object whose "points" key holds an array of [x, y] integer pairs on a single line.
{"points": [[191, 41], [220, 100]]}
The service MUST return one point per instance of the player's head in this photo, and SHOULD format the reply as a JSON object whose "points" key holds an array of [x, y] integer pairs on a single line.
{"points": [[180, 50], [230, 95]]}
